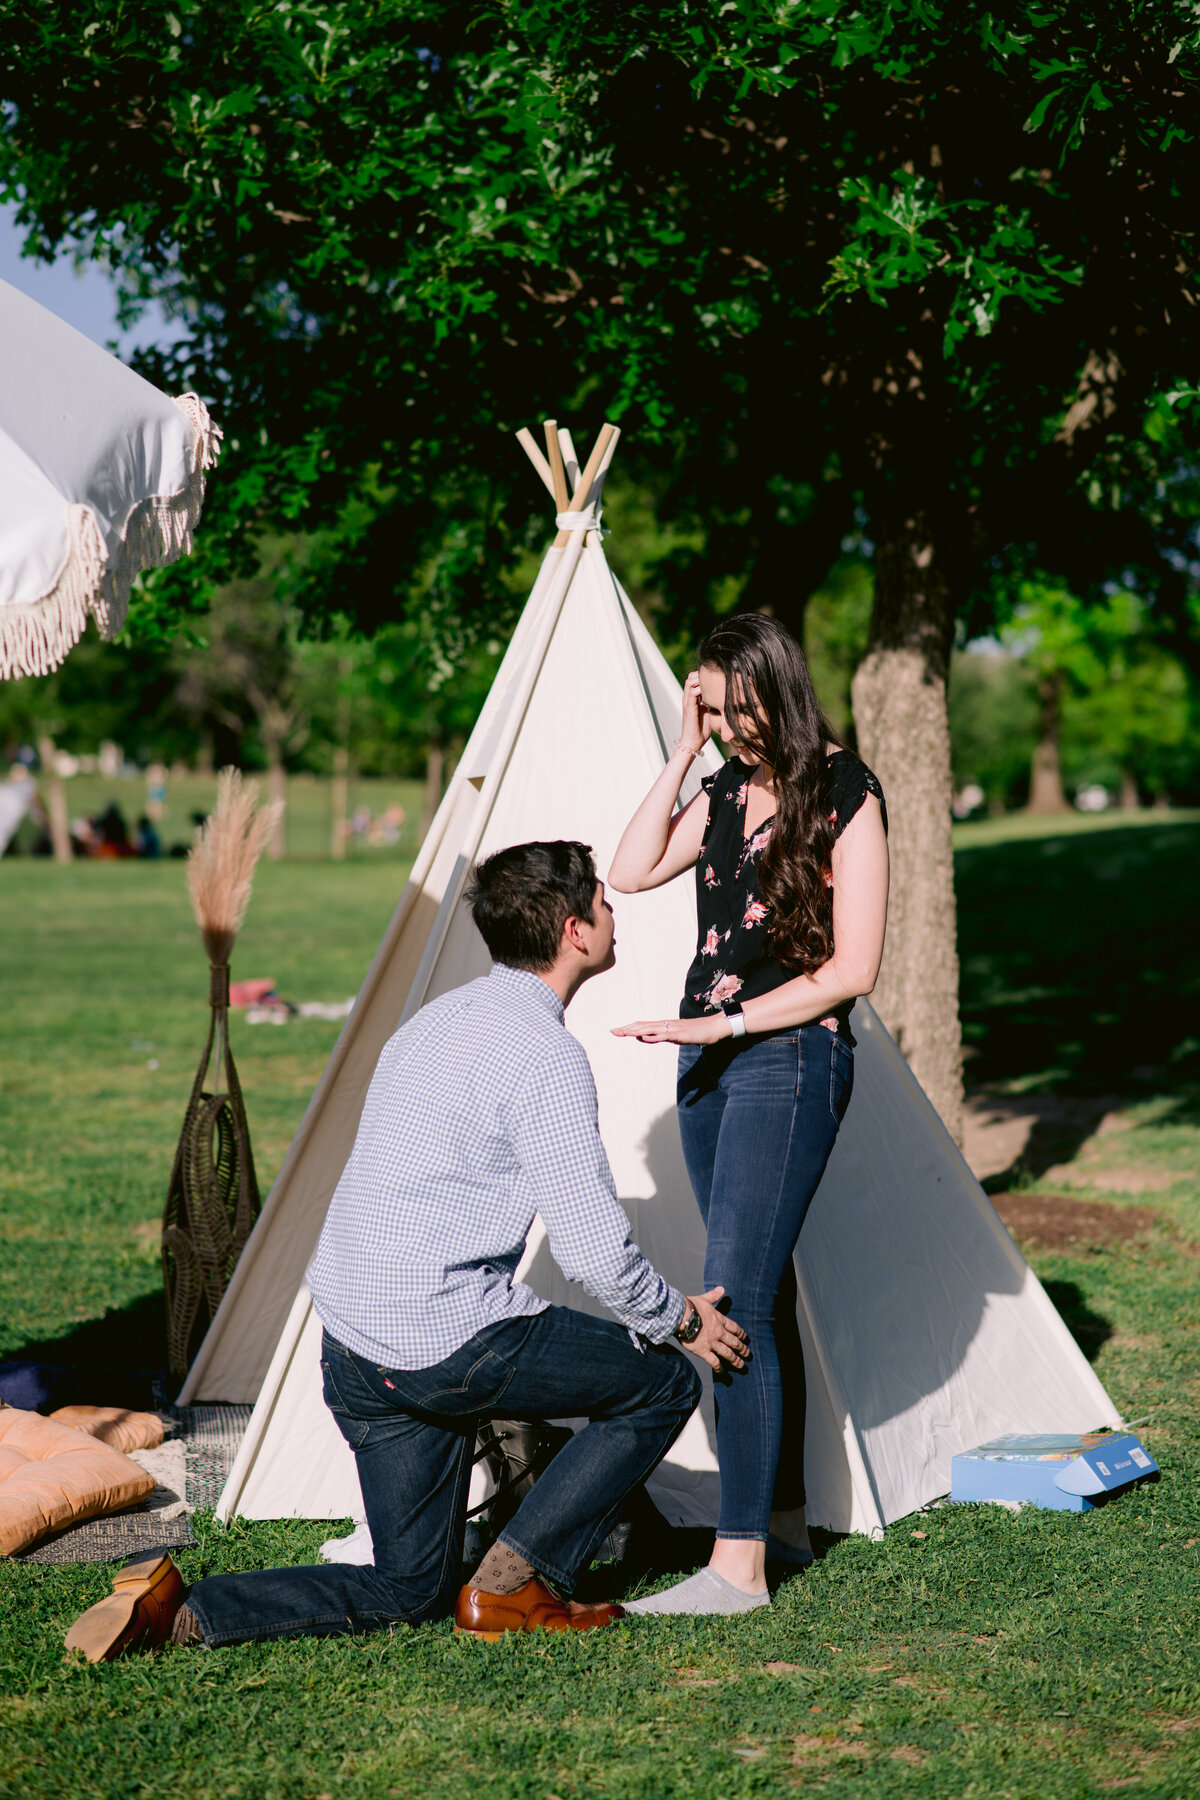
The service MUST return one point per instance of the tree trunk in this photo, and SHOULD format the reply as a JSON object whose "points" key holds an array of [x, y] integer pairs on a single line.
{"points": [[339, 797], [1131, 800], [435, 762], [1045, 780], [277, 790], [56, 801], [899, 698], [341, 762]]}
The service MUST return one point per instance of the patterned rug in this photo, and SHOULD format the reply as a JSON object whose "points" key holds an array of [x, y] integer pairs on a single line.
{"points": [[208, 1438], [114, 1539], [211, 1436]]}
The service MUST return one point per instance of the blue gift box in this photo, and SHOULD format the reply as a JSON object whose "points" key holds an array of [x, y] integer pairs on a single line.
{"points": [[1066, 1471]]}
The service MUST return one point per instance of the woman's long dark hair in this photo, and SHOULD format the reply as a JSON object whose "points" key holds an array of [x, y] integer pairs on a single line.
{"points": [[771, 706]]}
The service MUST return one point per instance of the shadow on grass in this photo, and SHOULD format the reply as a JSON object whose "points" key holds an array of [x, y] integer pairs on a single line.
{"points": [[110, 1361], [644, 1550], [1091, 1330], [1061, 1125], [1075, 951]]}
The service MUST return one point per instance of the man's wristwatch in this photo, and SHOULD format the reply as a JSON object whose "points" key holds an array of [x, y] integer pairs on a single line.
{"points": [[690, 1327]]}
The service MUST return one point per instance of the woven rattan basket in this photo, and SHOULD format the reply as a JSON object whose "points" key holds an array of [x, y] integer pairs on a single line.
{"points": [[212, 1199]]}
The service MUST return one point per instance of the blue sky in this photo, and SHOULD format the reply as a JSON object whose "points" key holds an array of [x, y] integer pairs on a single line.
{"points": [[85, 300]]}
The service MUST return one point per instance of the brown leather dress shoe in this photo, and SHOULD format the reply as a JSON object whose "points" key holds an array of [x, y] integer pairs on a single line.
{"points": [[532, 1608], [137, 1614]]}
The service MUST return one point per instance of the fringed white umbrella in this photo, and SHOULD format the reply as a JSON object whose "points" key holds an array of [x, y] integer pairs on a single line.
{"points": [[101, 476]]}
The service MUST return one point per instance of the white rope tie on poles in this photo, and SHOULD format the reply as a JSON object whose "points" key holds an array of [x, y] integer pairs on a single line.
{"points": [[587, 520]]}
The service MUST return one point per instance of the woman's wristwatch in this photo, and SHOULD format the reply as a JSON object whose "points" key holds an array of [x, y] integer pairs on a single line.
{"points": [[690, 1326], [736, 1017]]}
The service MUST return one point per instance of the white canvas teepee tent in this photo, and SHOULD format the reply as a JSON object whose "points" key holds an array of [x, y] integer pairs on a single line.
{"points": [[925, 1332]]}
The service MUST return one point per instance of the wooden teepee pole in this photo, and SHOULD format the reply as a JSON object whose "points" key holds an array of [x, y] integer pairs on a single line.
{"points": [[586, 488], [583, 495], [558, 473]]}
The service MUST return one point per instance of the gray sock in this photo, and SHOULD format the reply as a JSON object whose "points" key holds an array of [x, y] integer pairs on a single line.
{"points": [[703, 1592]]}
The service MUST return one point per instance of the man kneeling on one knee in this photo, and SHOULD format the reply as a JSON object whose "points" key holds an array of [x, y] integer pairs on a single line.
{"points": [[481, 1112]]}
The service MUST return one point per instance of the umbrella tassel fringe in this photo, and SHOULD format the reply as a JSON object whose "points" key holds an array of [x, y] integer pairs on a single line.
{"points": [[159, 529], [35, 639]]}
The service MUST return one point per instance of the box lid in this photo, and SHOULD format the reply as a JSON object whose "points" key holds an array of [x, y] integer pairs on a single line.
{"points": [[1037, 1447], [1113, 1463]]}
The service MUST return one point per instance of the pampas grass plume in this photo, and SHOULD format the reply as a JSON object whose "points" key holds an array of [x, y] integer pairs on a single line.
{"points": [[222, 860]]}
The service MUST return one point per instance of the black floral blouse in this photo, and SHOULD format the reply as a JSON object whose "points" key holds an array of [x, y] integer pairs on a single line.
{"points": [[733, 957]]}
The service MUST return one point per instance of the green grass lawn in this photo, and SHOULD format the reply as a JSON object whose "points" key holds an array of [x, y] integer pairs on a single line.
{"points": [[972, 1652], [106, 992]]}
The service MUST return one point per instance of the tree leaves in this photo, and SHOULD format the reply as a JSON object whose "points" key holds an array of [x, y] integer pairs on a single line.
{"points": [[397, 234]]}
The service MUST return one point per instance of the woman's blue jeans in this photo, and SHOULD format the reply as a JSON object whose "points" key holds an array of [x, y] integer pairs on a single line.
{"points": [[758, 1119]]}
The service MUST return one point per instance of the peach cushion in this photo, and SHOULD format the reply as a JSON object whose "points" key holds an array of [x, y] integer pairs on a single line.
{"points": [[52, 1475], [115, 1426]]}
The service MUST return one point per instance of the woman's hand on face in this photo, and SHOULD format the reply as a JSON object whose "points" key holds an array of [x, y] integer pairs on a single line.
{"points": [[697, 724], [708, 1030]]}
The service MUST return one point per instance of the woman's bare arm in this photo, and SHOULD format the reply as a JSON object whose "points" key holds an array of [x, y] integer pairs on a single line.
{"points": [[860, 891], [860, 896], [658, 844]]}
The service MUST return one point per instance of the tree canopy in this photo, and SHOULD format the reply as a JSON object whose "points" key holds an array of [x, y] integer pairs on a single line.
{"points": [[818, 258]]}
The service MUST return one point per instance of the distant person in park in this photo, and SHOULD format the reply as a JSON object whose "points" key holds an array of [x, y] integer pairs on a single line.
{"points": [[789, 847], [481, 1113], [84, 838], [146, 841], [387, 828], [110, 834], [156, 792]]}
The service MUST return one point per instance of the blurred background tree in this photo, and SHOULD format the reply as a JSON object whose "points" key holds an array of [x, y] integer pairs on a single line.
{"points": [[1136, 730], [837, 630], [1114, 706], [993, 725], [1058, 640]]}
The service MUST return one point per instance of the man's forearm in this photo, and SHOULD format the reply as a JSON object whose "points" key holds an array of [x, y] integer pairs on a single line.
{"points": [[556, 1137], [616, 1274]]}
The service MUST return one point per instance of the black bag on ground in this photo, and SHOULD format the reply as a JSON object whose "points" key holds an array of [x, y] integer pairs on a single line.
{"points": [[517, 1453]]}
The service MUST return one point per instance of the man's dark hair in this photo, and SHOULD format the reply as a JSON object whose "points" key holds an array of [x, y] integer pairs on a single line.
{"points": [[522, 897]]}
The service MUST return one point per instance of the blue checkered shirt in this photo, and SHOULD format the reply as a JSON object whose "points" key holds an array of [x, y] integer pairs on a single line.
{"points": [[481, 1112]]}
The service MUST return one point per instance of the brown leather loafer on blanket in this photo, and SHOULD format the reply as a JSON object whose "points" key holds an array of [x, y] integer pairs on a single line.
{"points": [[137, 1614], [532, 1608]]}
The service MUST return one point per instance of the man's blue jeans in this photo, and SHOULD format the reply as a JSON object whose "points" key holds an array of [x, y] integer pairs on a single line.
{"points": [[758, 1120], [412, 1432]]}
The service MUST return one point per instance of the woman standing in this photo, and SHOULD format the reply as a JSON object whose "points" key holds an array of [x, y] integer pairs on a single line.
{"points": [[788, 841]]}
